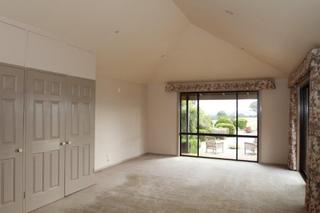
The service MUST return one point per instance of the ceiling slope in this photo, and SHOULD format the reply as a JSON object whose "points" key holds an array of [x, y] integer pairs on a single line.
{"points": [[152, 40], [277, 32], [129, 36], [200, 56]]}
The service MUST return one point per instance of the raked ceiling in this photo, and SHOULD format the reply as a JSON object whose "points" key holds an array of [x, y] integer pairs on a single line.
{"points": [[161, 40], [278, 32]]}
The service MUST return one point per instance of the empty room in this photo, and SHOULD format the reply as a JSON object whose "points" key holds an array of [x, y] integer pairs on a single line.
{"points": [[169, 106]]}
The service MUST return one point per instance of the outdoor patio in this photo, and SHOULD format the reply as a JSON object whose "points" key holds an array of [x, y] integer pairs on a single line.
{"points": [[226, 148]]}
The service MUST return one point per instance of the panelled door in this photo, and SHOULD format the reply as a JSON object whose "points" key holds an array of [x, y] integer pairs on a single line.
{"points": [[45, 138], [80, 134], [11, 139]]}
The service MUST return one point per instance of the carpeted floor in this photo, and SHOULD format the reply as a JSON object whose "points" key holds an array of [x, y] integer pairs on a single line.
{"points": [[154, 183]]}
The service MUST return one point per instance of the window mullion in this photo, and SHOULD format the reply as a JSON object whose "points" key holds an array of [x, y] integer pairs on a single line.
{"points": [[237, 147], [198, 121]]}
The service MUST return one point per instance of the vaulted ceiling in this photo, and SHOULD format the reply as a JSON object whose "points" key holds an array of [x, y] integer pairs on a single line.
{"points": [[279, 33], [162, 40]]}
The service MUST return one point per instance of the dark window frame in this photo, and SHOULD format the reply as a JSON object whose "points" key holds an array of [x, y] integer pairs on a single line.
{"points": [[237, 136]]}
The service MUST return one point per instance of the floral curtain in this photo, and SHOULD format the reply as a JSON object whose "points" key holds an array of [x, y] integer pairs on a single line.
{"points": [[313, 182], [243, 85], [293, 121], [309, 69]]}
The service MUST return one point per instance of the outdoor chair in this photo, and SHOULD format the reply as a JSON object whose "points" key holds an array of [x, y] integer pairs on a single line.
{"points": [[251, 147], [214, 146]]}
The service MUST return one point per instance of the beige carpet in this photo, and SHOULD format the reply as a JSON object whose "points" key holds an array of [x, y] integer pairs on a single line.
{"points": [[180, 184]]}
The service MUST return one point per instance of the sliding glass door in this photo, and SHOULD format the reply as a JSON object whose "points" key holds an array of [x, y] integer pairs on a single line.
{"points": [[221, 125]]}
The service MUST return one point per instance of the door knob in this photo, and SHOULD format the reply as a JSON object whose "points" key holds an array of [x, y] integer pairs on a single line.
{"points": [[20, 150], [69, 142], [62, 143]]}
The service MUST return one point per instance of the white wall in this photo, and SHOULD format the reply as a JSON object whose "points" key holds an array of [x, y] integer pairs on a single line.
{"points": [[163, 121], [26, 46], [120, 121], [13, 42], [275, 124]]}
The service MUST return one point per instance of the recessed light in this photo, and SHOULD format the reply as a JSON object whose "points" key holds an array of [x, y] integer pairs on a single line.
{"points": [[229, 12]]}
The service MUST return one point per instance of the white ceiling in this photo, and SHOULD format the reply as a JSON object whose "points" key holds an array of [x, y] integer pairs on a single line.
{"points": [[145, 40], [278, 32], [146, 28], [200, 56]]}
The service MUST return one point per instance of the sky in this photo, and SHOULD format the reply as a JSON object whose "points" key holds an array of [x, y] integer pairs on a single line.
{"points": [[212, 107]]}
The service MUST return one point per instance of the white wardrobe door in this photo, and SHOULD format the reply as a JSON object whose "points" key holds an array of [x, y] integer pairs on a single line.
{"points": [[80, 134], [45, 138], [11, 139]]}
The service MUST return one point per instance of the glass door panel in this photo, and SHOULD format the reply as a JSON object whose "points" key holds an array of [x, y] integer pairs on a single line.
{"points": [[247, 149], [188, 113], [217, 113], [248, 113], [183, 113], [218, 147], [189, 145]]}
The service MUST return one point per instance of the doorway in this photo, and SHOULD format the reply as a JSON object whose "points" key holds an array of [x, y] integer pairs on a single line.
{"points": [[304, 119]]}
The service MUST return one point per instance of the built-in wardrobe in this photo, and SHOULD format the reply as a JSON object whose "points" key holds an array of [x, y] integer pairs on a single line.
{"points": [[46, 137]]}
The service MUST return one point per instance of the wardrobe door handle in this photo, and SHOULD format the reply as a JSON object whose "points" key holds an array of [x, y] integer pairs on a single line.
{"points": [[20, 150], [69, 142], [62, 143]]}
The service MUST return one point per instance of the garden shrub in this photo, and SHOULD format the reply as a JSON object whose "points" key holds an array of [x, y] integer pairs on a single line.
{"points": [[231, 127], [192, 145], [242, 123], [224, 120]]}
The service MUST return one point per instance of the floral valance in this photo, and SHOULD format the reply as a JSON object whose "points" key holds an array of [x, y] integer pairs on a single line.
{"points": [[303, 70], [211, 86]]}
